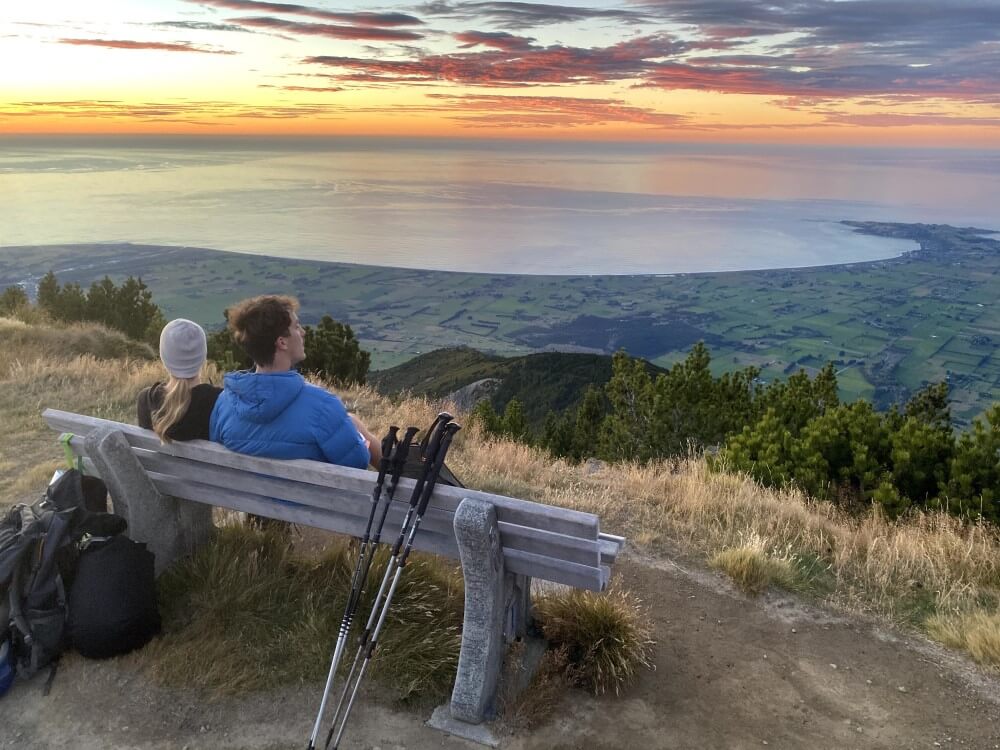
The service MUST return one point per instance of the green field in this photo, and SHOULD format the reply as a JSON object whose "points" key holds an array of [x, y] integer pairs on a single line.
{"points": [[889, 326]]}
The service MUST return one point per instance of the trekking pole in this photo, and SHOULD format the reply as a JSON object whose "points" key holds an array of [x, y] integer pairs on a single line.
{"points": [[432, 439], [388, 442], [439, 456]]}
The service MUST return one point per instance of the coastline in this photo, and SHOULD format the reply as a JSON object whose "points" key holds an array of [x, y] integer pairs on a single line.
{"points": [[889, 325], [123, 255]]}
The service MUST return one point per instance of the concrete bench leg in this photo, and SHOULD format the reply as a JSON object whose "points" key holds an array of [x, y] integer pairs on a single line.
{"points": [[496, 611], [171, 528]]}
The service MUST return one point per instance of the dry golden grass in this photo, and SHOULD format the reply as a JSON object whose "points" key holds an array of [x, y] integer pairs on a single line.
{"points": [[247, 612], [522, 709], [29, 342], [754, 568], [975, 632], [904, 571], [606, 638], [43, 366]]}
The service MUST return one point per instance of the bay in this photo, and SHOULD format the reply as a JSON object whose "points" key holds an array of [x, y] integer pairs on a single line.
{"points": [[498, 207]]}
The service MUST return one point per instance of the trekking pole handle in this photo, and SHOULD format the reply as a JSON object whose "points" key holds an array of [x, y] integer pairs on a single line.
{"points": [[449, 434], [388, 441], [402, 453], [442, 418], [397, 462], [418, 489]]}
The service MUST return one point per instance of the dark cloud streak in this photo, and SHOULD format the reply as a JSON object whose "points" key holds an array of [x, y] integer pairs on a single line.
{"points": [[136, 45], [520, 15], [328, 30], [198, 26], [360, 18]]}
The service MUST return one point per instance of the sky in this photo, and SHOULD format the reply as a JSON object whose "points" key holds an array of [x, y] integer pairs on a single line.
{"points": [[837, 72]]}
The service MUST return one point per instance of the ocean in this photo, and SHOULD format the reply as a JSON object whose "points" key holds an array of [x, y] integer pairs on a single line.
{"points": [[507, 207]]}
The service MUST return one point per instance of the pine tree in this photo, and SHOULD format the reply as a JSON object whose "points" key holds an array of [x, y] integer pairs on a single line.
{"points": [[587, 425], [974, 483], [513, 424], [486, 417], [930, 406], [102, 302], [558, 435], [71, 305], [13, 299], [48, 293], [334, 353]]}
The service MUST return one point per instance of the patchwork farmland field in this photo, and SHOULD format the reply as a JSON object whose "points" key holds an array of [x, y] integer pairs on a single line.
{"points": [[889, 325]]}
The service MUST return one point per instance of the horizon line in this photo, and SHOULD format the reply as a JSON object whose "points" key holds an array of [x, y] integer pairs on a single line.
{"points": [[472, 139]]}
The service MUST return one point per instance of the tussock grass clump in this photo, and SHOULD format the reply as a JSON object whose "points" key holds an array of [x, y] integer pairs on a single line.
{"points": [[754, 568], [975, 632], [247, 613], [606, 637]]}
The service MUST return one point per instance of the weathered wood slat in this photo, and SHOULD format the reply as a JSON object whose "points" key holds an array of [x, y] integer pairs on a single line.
{"points": [[571, 574], [425, 540], [539, 541], [509, 510], [609, 550], [542, 542], [516, 561]]}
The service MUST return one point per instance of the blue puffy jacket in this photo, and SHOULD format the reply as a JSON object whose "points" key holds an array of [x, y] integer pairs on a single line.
{"points": [[280, 415]]}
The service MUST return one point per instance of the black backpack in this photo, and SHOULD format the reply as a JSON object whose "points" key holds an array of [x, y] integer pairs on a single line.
{"points": [[37, 558], [112, 603], [414, 467]]}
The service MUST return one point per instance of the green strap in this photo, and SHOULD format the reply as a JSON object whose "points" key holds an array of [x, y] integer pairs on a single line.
{"points": [[72, 460]]}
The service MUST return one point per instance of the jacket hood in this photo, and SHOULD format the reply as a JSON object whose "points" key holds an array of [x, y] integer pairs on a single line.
{"points": [[259, 397]]}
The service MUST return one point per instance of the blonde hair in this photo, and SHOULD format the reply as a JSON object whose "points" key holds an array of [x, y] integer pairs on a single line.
{"points": [[176, 400]]}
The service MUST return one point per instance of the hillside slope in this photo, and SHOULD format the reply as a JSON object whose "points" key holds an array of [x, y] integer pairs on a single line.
{"points": [[732, 671], [543, 382]]}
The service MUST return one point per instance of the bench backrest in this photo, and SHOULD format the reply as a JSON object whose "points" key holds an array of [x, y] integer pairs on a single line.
{"points": [[542, 541]]}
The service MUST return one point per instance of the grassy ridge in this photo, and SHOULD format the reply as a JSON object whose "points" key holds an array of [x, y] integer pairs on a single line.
{"points": [[549, 381]]}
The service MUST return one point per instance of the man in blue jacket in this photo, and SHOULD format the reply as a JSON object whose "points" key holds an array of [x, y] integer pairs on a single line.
{"points": [[271, 410]]}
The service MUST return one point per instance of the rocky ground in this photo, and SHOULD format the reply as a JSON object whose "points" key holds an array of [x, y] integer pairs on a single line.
{"points": [[731, 672]]}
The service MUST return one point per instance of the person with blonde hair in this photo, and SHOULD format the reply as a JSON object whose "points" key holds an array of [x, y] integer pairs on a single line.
{"points": [[181, 408]]}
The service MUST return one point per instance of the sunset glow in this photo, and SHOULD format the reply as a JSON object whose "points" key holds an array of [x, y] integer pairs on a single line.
{"points": [[884, 72]]}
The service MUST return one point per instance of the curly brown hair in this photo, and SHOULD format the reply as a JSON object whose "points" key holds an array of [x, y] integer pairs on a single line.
{"points": [[258, 322]]}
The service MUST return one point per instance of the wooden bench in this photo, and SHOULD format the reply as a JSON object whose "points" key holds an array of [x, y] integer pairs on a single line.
{"points": [[502, 542]]}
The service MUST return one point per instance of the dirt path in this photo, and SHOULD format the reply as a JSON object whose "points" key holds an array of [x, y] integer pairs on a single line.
{"points": [[731, 673]]}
